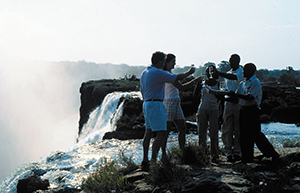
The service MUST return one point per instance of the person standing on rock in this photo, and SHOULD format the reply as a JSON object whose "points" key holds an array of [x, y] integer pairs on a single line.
{"points": [[152, 83], [249, 93], [208, 112], [231, 127], [172, 103]]}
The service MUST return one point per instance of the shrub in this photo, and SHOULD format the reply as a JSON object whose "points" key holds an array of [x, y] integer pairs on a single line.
{"points": [[193, 155], [127, 162], [164, 172], [106, 178], [291, 142], [169, 171]]}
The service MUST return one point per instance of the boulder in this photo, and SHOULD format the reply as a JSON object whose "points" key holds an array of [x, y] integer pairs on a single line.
{"points": [[31, 184]]}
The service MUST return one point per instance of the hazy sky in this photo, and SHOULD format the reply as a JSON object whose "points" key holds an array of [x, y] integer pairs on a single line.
{"points": [[117, 31], [37, 111]]}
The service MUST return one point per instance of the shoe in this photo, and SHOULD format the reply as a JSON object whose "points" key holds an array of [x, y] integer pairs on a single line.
{"points": [[145, 165], [237, 158], [230, 158]]}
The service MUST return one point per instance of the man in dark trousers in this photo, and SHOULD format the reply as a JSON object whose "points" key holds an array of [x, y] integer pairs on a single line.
{"points": [[249, 93]]}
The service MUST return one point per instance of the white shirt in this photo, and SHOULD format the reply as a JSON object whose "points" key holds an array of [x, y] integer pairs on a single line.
{"points": [[252, 87], [171, 92], [232, 85]]}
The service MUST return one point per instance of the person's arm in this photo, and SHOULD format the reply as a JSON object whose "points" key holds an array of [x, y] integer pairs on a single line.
{"points": [[226, 75], [248, 96], [187, 85], [210, 90], [185, 74]]}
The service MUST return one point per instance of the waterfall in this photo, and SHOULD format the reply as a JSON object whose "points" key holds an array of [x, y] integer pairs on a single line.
{"points": [[103, 118]]}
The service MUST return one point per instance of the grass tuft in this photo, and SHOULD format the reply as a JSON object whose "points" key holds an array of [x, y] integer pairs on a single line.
{"points": [[192, 155], [164, 172], [106, 178], [127, 163], [295, 142]]}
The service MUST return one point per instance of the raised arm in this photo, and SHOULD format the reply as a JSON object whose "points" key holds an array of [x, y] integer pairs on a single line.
{"points": [[185, 74], [210, 90], [189, 84], [248, 97], [228, 76]]}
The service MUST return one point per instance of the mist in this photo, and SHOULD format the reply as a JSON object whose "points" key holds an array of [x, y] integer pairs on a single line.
{"points": [[40, 103]]}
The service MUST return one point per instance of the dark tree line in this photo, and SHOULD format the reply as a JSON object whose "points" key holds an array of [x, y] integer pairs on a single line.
{"points": [[287, 76], [84, 71]]}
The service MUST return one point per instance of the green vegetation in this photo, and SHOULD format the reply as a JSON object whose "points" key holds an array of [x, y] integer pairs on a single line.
{"points": [[169, 170], [109, 175], [106, 178], [291, 142], [192, 155]]}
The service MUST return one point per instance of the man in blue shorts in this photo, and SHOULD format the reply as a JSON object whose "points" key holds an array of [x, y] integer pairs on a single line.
{"points": [[152, 82]]}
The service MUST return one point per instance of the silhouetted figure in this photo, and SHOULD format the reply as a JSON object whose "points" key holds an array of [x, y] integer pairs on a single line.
{"points": [[208, 113], [231, 124], [250, 95]]}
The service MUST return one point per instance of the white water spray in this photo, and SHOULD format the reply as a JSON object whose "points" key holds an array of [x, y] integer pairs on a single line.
{"points": [[103, 118]]}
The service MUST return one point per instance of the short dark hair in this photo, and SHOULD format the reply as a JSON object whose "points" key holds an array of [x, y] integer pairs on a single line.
{"points": [[251, 67], [157, 56], [235, 59], [170, 57]]}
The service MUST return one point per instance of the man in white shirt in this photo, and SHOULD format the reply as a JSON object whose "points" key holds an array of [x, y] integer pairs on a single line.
{"points": [[231, 129], [250, 95]]}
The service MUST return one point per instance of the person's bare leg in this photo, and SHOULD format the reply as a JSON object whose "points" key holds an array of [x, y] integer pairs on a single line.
{"points": [[160, 137], [164, 143], [146, 142], [181, 126]]}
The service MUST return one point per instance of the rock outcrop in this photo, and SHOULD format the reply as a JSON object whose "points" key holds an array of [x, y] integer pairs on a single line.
{"points": [[279, 104], [261, 176], [93, 93]]}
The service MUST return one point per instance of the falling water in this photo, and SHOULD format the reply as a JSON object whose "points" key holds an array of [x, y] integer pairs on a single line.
{"points": [[67, 169]]}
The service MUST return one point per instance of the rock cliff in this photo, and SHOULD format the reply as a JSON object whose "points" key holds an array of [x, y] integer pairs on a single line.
{"points": [[279, 104]]}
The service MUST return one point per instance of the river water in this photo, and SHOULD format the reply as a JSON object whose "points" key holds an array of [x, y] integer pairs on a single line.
{"points": [[67, 169]]}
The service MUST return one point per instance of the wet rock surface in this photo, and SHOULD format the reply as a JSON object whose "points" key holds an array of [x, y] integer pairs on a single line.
{"points": [[260, 176]]}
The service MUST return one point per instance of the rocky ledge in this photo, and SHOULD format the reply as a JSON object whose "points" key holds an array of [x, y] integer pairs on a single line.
{"points": [[261, 176]]}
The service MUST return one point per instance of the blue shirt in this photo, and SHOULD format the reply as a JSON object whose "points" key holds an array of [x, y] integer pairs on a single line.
{"points": [[252, 87], [153, 82]]}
